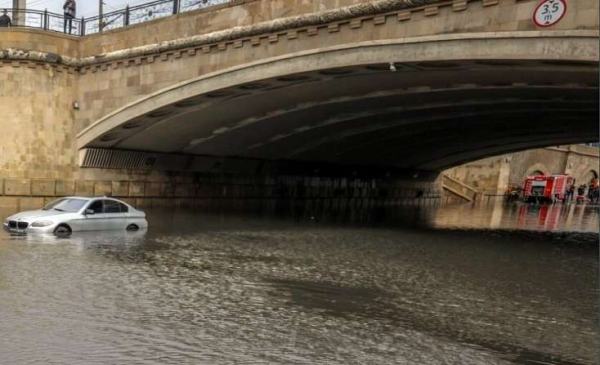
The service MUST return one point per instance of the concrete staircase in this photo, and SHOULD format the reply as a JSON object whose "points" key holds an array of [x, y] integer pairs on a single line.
{"points": [[459, 189]]}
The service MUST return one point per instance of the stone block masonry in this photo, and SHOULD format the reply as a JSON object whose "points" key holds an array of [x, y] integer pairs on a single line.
{"points": [[325, 192], [493, 176]]}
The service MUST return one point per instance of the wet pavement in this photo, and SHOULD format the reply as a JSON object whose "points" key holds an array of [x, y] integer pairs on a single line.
{"points": [[492, 284]]}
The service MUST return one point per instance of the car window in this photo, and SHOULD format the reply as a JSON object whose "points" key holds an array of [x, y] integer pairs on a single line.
{"points": [[124, 208], [96, 206], [66, 205], [53, 203], [111, 206]]}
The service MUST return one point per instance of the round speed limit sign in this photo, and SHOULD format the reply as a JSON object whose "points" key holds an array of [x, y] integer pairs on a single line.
{"points": [[549, 12]]}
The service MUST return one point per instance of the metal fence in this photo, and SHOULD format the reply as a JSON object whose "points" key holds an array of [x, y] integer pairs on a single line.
{"points": [[129, 15]]}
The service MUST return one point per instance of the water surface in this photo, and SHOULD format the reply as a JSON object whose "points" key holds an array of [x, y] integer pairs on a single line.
{"points": [[460, 285]]}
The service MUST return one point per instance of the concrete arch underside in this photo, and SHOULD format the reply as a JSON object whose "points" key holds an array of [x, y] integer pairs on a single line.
{"points": [[452, 99]]}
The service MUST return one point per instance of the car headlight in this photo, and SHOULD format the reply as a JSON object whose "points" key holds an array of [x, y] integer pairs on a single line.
{"points": [[42, 224]]}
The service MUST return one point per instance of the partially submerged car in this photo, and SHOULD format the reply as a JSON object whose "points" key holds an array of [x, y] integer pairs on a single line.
{"points": [[73, 214]]}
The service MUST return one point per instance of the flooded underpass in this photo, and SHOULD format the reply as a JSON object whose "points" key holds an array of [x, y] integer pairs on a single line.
{"points": [[490, 284]]}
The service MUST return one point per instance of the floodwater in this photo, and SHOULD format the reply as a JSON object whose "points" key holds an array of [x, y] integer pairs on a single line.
{"points": [[456, 285]]}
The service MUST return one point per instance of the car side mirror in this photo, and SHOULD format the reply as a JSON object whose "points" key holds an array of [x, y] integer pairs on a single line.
{"points": [[89, 212]]}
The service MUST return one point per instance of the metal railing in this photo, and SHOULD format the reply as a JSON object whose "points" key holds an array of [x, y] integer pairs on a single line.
{"points": [[42, 19], [46, 20]]}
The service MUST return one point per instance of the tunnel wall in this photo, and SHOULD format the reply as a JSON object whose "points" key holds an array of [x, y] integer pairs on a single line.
{"points": [[270, 194]]}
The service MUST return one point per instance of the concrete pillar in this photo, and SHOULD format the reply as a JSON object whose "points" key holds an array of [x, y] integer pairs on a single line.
{"points": [[570, 162], [18, 17], [503, 175]]}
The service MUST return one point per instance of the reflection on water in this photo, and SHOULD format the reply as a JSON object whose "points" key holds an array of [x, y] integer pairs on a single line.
{"points": [[517, 216], [460, 285]]}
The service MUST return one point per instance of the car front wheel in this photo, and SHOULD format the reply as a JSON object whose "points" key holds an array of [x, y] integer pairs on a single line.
{"points": [[63, 230]]}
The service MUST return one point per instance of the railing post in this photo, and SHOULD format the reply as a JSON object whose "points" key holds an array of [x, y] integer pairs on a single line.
{"points": [[45, 21], [100, 15], [175, 6], [127, 15], [82, 30]]}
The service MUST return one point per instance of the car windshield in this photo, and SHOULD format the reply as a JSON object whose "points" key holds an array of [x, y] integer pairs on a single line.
{"points": [[66, 205]]}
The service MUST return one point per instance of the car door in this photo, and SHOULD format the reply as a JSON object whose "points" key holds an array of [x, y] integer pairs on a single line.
{"points": [[116, 218], [95, 221]]}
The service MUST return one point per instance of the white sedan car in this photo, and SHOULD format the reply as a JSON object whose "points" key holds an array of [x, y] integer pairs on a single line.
{"points": [[73, 214]]}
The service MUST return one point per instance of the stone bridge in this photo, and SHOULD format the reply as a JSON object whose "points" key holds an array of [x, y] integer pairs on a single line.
{"points": [[412, 87]]}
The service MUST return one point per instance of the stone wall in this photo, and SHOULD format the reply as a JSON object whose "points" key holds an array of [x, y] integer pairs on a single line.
{"points": [[37, 133], [241, 18], [483, 175], [240, 13], [582, 163], [493, 176], [31, 39], [245, 192]]}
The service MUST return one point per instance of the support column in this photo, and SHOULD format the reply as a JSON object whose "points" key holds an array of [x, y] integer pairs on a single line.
{"points": [[503, 175], [18, 18]]}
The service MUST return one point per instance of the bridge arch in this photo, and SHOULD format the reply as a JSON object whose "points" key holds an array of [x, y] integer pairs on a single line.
{"points": [[538, 169], [589, 176], [461, 96]]}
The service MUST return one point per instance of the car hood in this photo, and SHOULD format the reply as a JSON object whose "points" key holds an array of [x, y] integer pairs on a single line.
{"points": [[34, 214]]}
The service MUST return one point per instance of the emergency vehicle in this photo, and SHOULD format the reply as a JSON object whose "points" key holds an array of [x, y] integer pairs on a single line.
{"points": [[546, 188]]}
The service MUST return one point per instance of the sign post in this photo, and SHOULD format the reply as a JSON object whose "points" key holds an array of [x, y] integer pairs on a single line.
{"points": [[549, 12]]}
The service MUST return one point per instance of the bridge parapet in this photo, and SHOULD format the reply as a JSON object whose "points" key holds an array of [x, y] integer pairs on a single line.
{"points": [[236, 24]]}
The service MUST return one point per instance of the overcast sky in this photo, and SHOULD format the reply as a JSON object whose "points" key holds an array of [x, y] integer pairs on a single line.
{"points": [[85, 8]]}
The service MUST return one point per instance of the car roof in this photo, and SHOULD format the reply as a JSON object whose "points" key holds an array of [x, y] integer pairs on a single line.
{"points": [[92, 198], [77, 197]]}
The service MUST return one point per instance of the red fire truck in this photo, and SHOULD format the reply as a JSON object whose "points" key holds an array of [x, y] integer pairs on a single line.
{"points": [[546, 188]]}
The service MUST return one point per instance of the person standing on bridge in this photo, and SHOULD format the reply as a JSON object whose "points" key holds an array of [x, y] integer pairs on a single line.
{"points": [[69, 12], [5, 19]]}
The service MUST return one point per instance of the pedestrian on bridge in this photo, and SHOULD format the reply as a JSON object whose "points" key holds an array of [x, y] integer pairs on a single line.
{"points": [[5, 19], [69, 12]]}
